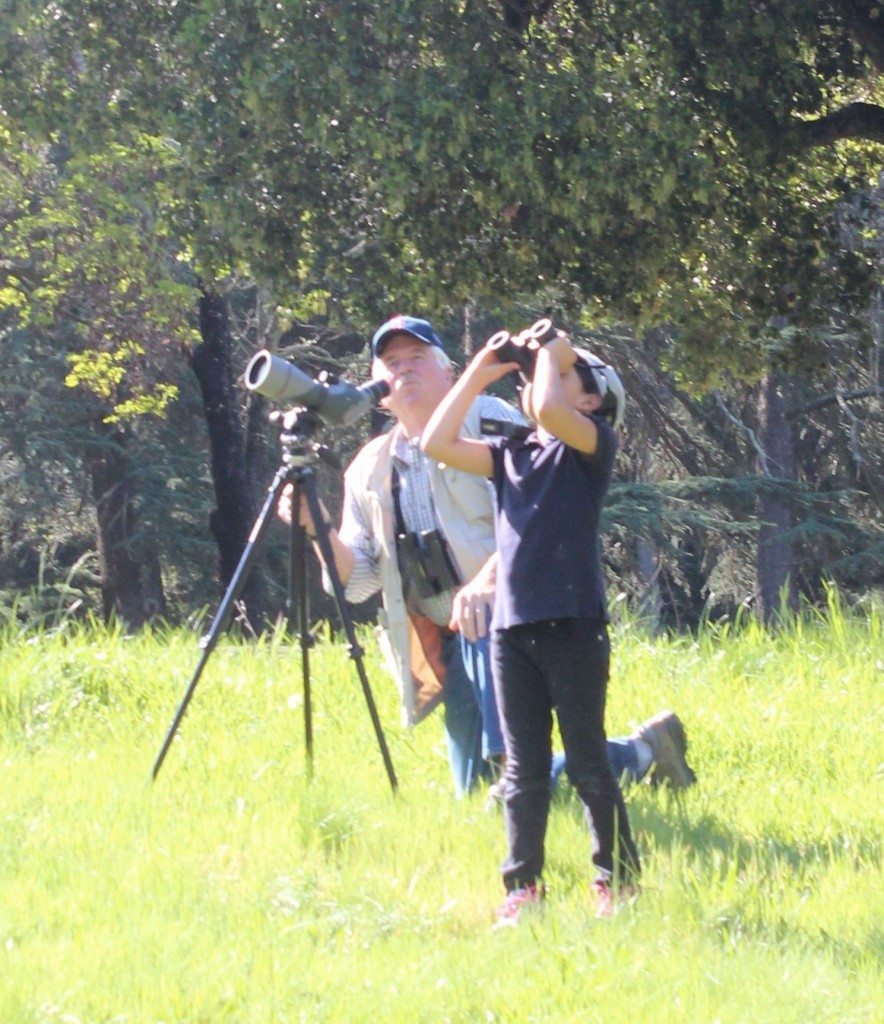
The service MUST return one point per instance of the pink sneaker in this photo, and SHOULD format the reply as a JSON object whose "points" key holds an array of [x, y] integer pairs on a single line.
{"points": [[517, 900], [609, 901]]}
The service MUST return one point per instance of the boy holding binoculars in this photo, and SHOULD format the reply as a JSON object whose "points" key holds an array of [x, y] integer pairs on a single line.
{"points": [[550, 647]]}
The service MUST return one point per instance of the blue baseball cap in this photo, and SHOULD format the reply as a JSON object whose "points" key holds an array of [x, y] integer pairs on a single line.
{"points": [[420, 329]]}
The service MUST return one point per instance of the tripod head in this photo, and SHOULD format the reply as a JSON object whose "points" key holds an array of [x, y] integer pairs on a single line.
{"points": [[297, 428]]}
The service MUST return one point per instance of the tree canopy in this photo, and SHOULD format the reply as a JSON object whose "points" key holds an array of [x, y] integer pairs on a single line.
{"points": [[707, 168], [702, 164]]}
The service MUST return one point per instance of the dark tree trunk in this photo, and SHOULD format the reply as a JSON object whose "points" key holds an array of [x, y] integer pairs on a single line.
{"points": [[685, 584], [131, 582], [775, 548], [647, 556], [236, 509], [650, 605]]}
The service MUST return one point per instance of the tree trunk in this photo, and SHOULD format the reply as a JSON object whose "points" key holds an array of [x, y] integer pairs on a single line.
{"points": [[232, 518], [775, 548], [650, 605], [131, 582], [647, 555]]}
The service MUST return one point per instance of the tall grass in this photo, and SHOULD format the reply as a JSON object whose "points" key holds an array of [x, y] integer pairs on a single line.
{"points": [[235, 888]]}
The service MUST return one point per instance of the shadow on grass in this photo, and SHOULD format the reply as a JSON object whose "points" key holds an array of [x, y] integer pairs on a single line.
{"points": [[661, 818]]}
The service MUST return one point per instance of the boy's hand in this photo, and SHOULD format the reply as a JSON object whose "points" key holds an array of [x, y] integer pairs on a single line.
{"points": [[485, 369], [560, 349]]}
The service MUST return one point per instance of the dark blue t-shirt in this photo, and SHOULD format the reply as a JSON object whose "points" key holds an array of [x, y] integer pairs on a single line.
{"points": [[549, 499]]}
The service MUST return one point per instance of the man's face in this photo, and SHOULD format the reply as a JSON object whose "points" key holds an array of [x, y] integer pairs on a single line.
{"points": [[418, 382]]}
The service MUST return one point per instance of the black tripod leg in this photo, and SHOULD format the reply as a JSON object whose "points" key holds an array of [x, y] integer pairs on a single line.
{"points": [[223, 615], [298, 583], [308, 482]]}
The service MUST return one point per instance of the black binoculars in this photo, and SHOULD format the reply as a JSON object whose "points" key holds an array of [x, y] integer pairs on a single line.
{"points": [[522, 348], [427, 563]]}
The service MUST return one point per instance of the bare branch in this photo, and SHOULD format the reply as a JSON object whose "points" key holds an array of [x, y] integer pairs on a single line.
{"points": [[25, 275], [839, 398], [863, 121], [854, 434], [748, 431]]}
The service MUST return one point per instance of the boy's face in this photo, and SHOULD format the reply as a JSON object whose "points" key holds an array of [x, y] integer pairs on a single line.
{"points": [[576, 397], [572, 386]]}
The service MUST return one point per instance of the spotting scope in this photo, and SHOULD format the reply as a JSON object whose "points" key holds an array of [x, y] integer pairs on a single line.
{"points": [[338, 403]]}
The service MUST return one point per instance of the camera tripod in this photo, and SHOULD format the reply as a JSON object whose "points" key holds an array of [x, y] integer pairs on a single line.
{"points": [[296, 469]]}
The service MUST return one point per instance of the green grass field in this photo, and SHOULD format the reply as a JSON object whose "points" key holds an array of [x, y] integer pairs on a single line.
{"points": [[236, 889]]}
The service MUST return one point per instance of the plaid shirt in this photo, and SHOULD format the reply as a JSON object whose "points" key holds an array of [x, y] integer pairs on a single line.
{"points": [[418, 513]]}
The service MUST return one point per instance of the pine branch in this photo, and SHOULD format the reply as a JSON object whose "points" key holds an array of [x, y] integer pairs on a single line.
{"points": [[834, 399]]}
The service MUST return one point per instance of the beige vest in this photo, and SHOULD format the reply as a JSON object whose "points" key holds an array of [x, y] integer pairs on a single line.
{"points": [[465, 508]]}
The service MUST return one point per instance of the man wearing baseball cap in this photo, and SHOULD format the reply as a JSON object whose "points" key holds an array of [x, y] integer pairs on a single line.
{"points": [[411, 326], [422, 534]]}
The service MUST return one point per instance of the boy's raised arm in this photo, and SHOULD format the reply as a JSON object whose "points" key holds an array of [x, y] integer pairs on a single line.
{"points": [[550, 407], [441, 438]]}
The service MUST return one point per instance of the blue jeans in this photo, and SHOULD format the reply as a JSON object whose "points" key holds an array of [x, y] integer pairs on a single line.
{"points": [[463, 720], [477, 663], [622, 756]]}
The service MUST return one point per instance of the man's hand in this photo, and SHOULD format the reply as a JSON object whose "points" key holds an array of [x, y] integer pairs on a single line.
{"points": [[284, 506], [284, 511], [471, 608]]}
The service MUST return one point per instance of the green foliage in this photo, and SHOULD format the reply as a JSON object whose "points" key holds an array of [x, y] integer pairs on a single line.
{"points": [[104, 372], [48, 432], [88, 253], [235, 888], [709, 166], [704, 165]]}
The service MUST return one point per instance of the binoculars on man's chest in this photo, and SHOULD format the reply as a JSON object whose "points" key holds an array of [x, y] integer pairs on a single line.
{"points": [[426, 563]]}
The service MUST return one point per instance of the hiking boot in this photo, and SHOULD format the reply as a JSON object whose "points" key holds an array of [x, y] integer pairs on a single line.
{"points": [[517, 901], [665, 735], [608, 900]]}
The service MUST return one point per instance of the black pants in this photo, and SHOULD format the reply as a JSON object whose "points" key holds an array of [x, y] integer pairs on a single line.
{"points": [[559, 664]]}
